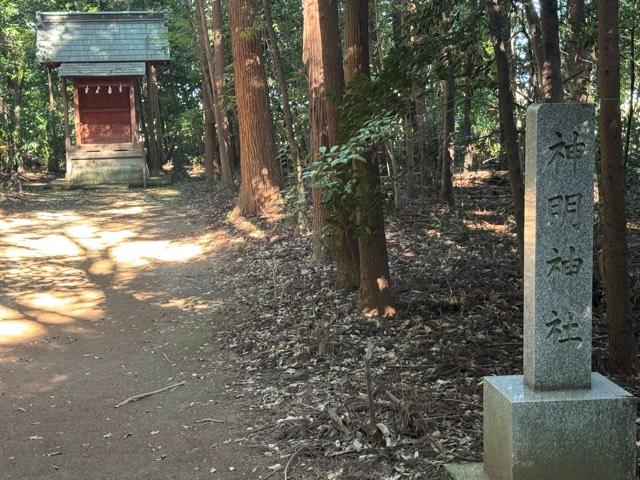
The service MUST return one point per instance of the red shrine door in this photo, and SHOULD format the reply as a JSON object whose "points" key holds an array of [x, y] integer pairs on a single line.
{"points": [[105, 111]]}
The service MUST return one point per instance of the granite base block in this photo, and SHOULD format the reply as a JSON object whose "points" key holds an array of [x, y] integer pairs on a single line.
{"points": [[562, 435], [466, 471]]}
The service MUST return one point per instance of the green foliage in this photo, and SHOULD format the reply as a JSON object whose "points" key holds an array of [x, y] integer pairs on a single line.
{"points": [[333, 171]]}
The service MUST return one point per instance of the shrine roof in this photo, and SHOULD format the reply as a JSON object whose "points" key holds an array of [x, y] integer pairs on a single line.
{"points": [[103, 69], [101, 37]]}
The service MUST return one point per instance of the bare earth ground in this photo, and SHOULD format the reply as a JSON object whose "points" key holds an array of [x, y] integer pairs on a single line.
{"points": [[104, 295], [108, 294]]}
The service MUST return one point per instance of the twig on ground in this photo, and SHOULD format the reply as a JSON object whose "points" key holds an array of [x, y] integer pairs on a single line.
{"points": [[294, 455], [209, 420], [367, 367], [140, 396]]}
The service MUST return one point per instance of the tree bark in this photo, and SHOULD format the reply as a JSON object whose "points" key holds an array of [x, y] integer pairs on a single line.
{"points": [[498, 27], [552, 88], [535, 33], [154, 126], [622, 346], [212, 148], [448, 147], [52, 161], [322, 56], [375, 279], [632, 83], [260, 182], [222, 119], [579, 63], [286, 113], [208, 103]]}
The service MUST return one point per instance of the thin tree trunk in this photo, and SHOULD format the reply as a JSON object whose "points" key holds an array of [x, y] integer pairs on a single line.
{"points": [[466, 114], [579, 64], [222, 120], [208, 106], [286, 113], [535, 34], [632, 82], [142, 117], [375, 279], [552, 73], [448, 146], [203, 31], [52, 161], [155, 128], [410, 139], [499, 30], [622, 346], [260, 182]]}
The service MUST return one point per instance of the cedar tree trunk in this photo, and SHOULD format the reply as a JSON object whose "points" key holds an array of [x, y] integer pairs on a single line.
{"points": [[499, 30], [551, 73], [375, 279], [622, 346], [260, 182], [286, 113]]}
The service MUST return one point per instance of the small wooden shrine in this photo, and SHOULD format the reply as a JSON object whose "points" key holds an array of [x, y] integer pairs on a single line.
{"points": [[102, 55]]}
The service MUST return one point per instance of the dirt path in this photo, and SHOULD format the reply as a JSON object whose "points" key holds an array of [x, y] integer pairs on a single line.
{"points": [[104, 295]]}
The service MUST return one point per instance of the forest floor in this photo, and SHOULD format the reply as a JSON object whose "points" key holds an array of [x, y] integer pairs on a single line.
{"points": [[109, 294]]}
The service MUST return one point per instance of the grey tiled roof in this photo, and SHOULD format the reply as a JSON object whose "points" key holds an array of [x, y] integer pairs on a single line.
{"points": [[107, 69], [101, 37]]}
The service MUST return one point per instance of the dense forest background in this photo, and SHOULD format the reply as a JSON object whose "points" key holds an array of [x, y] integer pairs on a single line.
{"points": [[407, 58], [419, 92]]}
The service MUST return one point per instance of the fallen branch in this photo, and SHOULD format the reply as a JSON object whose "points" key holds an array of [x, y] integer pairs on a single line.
{"points": [[140, 396], [209, 420], [294, 455]]}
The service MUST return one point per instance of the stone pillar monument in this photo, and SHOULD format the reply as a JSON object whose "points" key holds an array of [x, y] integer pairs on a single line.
{"points": [[559, 421]]}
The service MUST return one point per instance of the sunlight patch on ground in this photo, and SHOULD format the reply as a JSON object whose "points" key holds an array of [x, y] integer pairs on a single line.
{"points": [[245, 226], [193, 303], [138, 254], [25, 246], [19, 331], [80, 304], [483, 226], [102, 267], [59, 265]]}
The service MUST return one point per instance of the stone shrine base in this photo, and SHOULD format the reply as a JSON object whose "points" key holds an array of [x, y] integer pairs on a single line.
{"points": [[558, 435]]}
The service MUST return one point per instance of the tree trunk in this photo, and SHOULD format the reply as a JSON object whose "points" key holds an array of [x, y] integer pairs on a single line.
{"points": [[154, 127], [552, 88], [466, 114], [622, 346], [322, 56], [498, 27], [142, 118], [632, 83], [286, 112], [579, 64], [535, 32], [375, 279], [448, 146], [208, 104], [260, 182], [410, 140], [222, 120], [52, 161]]}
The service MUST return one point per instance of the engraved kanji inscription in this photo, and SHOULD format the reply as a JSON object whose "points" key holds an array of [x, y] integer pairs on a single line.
{"points": [[566, 209], [567, 151], [569, 266], [563, 330]]}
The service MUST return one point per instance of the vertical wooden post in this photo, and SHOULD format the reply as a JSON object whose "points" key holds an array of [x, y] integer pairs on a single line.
{"points": [[67, 134], [132, 106], [76, 112]]}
